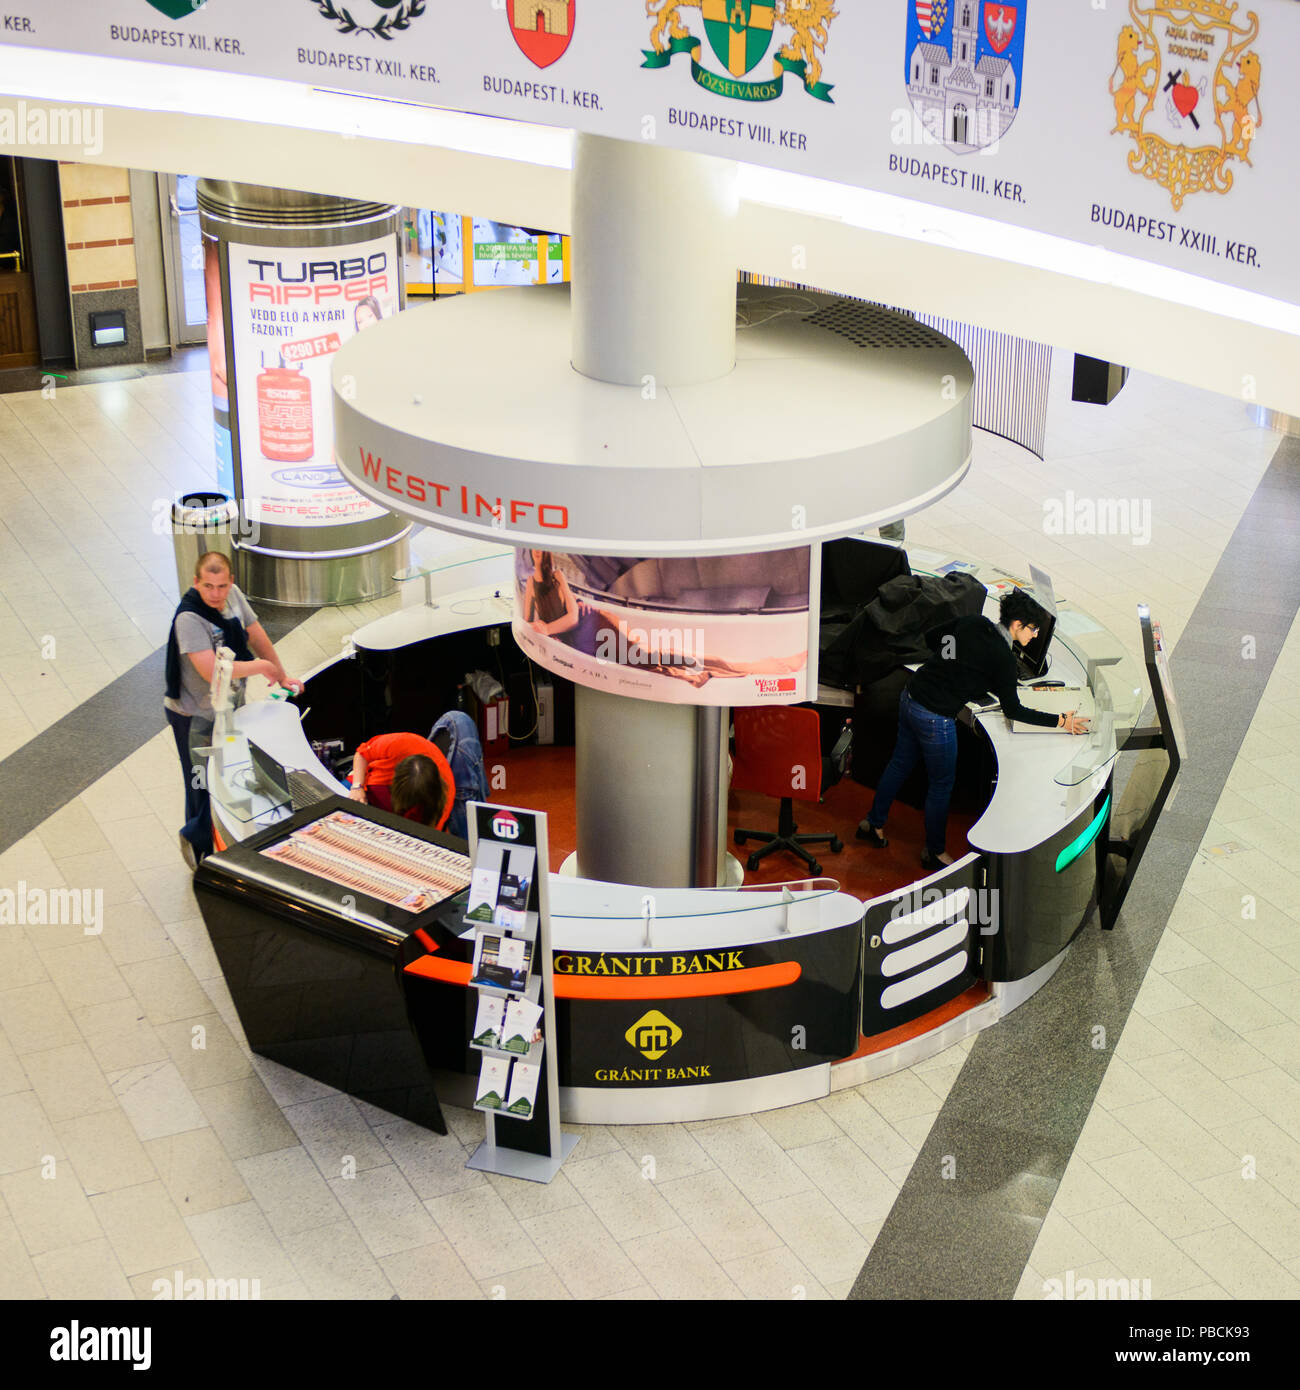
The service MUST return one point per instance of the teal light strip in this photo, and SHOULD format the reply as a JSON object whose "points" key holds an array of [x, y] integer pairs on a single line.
{"points": [[1076, 847]]}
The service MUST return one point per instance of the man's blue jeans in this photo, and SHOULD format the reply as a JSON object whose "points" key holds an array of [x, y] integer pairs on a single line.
{"points": [[191, 733], [932, 737]]}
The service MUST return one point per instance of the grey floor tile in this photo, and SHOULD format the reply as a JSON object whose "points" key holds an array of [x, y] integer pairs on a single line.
{"points": [[143, 1227], [290, 1191], [483, 1232], [156, 1100], [714, 1210], [84, 1273], [245, 1118], [237, 1243], [385, 1210], [334, 1263], [430, 1272], [676, 1265]]}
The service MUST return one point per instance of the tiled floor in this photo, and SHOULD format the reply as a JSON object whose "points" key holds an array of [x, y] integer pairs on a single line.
{"points": [[138, 1135]]}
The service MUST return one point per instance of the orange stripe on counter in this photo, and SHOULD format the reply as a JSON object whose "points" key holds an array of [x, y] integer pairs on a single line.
{"points": [[452, 972], [743, 981]]}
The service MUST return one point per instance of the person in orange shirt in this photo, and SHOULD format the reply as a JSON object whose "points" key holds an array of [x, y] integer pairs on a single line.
{"points": [[405, 774]]}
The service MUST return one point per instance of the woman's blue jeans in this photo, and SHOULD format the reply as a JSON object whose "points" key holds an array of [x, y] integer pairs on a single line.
{"points": [[932, 737]]}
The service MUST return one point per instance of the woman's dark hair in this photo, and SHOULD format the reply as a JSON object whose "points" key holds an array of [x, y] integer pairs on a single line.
{"points": [[547, 566], [418, 787], [371, 303], [1018, 607]]}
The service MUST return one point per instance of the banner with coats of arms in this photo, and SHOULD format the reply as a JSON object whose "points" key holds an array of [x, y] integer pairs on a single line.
{"points": [[1160, 129]]}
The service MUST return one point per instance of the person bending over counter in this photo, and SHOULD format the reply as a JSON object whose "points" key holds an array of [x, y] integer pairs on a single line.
{"points": [[973, 656], [212, 613], [405, 774]]}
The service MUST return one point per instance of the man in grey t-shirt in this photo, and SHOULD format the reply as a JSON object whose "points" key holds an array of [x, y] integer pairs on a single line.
{"points": [[189, 712]]}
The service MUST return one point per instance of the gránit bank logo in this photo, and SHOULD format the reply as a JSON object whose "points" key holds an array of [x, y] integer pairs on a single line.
{"points": [[505, 826]]}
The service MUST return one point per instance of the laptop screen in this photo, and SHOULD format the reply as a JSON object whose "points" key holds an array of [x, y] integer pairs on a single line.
{"points": [[269, 772], [1032, 659]]}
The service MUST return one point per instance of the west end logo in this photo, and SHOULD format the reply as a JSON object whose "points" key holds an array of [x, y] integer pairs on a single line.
{"points": [[653, 1034], [740, 33], [378, 18], [177, 9], [964, 64], [1186, 91], [543, 29]]}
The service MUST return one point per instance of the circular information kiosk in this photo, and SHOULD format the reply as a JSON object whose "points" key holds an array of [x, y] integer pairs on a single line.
{"points": [[671, 1002]]}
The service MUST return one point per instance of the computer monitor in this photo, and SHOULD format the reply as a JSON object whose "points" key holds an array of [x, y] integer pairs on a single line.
{"points": [[270, 773], [1032, 659]]}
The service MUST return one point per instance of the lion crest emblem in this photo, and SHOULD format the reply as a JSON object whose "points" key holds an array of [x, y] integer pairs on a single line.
{"points": [[739, 34], [1185, 88]]}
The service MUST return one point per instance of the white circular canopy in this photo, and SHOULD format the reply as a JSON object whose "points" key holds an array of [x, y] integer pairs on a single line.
{"points": [[468, 416]]}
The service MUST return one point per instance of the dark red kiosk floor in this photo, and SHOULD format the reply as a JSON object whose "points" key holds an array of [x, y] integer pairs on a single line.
{"points": [[542, 778]]}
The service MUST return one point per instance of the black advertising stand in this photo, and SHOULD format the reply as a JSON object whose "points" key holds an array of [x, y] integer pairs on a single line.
{"points": [[509, 908]]}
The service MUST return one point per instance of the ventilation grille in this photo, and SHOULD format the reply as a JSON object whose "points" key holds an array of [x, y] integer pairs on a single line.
{"points": [[870, 327]]}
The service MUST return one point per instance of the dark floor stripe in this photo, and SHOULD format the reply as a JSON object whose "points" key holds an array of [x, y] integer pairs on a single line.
{"points": [[62, 761], [1013, 1116]]}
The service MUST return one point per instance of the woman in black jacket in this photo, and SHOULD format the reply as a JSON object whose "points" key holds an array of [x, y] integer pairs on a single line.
{"points": [[973, 656]]}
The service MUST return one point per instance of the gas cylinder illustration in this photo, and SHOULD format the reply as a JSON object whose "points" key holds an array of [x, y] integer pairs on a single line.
{"points": [[284, 413]]}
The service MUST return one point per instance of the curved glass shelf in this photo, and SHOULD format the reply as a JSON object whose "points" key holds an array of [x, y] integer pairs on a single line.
{"points": [[1118, 693], [811, 896]]}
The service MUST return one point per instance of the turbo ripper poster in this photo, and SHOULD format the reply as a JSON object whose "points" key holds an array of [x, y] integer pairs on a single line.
{"points": [[291, 310]]}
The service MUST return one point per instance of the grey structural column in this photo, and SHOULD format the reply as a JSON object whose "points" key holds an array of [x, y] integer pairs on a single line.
{"points": [[649, 804]]}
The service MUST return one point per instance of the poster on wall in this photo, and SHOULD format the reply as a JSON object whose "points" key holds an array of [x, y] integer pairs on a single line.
{"points": [[217, 367], [505, 255], [291, 310], [718, 630], [433, 255]]}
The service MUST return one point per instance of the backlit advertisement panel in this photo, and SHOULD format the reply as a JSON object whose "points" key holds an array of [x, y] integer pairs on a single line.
{"points": [[291, 310], [718, 630]]}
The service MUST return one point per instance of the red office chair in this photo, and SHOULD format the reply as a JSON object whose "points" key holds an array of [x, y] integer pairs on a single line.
{"points": [[779, 753]]}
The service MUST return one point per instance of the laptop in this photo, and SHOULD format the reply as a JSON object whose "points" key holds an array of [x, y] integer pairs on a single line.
{"points": [[1032, 660], [300, 788]]}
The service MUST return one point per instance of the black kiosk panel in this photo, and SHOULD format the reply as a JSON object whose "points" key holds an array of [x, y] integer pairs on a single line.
{"points": [[308, 920]]}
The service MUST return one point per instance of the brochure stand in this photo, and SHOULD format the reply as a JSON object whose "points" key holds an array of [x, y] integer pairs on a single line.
{"points": [[514, 1027]]}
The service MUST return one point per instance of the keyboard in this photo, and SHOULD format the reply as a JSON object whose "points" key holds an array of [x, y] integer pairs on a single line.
{"points": [[305, 789]]}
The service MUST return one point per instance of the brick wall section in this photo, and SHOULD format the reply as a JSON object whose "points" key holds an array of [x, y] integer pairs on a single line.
{"points": [[97, 227]]}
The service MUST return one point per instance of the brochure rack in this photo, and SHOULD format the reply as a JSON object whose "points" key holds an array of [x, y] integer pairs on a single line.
{"points": [[514, 1028]]}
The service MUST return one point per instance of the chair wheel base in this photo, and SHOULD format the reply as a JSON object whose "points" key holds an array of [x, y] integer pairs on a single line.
{"points": [[752, 862], [836, 845]]}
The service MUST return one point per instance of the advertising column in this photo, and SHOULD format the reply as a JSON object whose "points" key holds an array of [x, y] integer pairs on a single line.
{"points": [[297, 275]]}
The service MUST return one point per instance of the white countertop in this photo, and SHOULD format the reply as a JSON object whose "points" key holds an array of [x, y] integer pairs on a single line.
{"points": [[484, 606]]}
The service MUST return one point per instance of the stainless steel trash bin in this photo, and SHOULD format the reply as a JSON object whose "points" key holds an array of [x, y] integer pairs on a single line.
{"points": [[201, 521]]}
